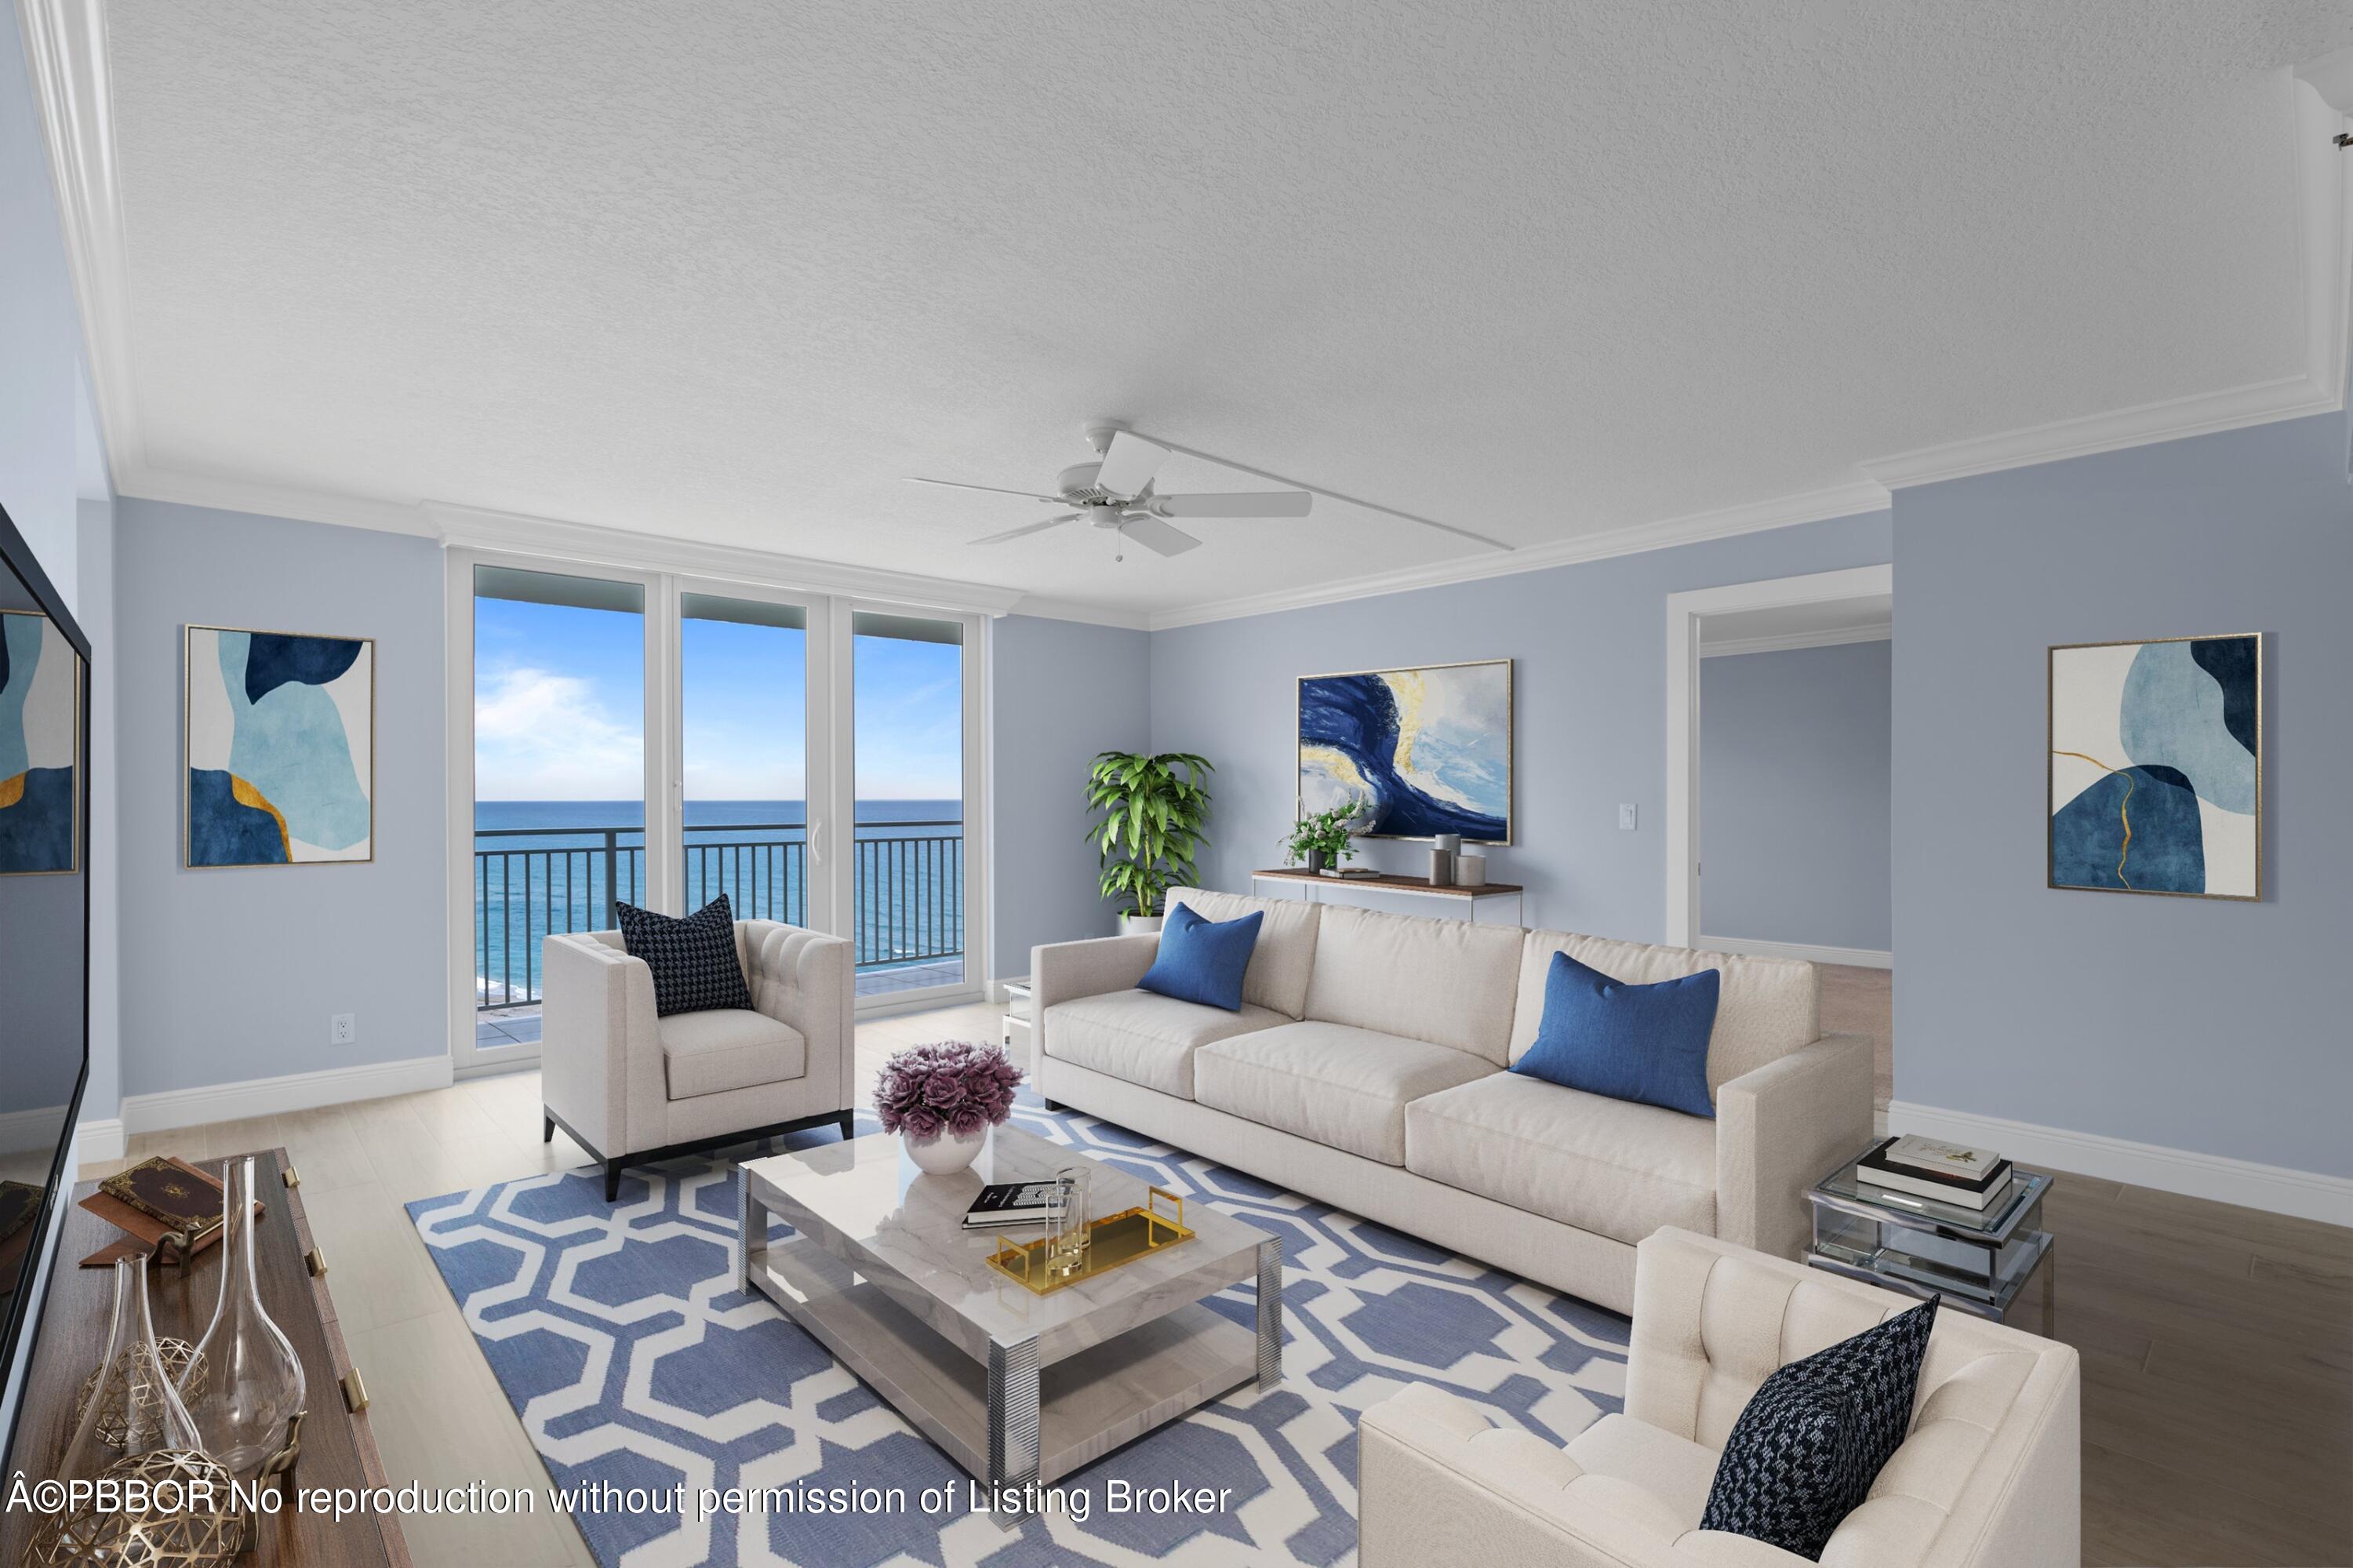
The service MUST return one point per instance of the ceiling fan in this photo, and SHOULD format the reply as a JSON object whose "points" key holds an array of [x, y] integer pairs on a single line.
{"points": [[1115, 494]]}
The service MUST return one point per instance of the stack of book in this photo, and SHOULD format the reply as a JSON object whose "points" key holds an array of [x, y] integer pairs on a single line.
{"points": [[1016, 1203], [1930, 1168]]}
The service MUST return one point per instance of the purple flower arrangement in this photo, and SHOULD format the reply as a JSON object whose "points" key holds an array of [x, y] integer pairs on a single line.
{"points": [[954, 1087]]}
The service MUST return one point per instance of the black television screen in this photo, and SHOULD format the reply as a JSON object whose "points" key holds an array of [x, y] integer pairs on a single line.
{"points": [[44, 929]]}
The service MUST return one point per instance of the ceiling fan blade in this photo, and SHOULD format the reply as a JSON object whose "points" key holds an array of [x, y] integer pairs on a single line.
{"points": [[1129, 463], [1156, 535], [1028, 528], [1236, 503], [993, 489]]}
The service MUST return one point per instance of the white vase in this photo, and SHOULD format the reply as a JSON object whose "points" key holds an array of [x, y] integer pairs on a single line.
{"points": [[1138, 925], [944, 1155]]}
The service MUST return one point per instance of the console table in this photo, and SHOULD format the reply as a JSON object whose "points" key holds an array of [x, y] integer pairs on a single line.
{"points": [[338, 1448], [1453, 903]]}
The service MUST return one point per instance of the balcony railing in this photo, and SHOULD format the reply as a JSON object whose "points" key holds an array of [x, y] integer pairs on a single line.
{"points": [[909, 881]]}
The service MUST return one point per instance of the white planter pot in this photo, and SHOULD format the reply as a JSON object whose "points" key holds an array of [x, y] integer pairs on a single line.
{"points": [[1138, 925], [944, 1155]]}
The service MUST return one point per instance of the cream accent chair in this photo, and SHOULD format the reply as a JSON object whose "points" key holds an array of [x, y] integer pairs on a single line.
{"points": [[630, 1087], [1990, 1475]]}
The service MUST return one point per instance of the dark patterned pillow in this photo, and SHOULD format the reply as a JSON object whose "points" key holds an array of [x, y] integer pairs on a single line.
{"points": [[1804, 1453], [694, 960]]}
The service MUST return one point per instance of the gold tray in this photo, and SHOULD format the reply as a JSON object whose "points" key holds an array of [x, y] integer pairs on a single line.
{"points": [[1111, 1241]]}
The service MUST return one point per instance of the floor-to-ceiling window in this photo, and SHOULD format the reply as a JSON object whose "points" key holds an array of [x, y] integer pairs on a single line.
{"points": [[559, 777], [640, 737], [908, 698]]}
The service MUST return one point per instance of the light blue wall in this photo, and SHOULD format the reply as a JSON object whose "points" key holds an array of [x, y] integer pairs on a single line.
{"points": [[2217, 1027], [1589, 694], [1794, 789], [40, 347], [1059, 692], [232, 974], [100, 1098]]}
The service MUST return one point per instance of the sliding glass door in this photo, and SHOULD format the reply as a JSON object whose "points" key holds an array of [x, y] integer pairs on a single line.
{"points": [[908, 865], [645, 738], [559, 780]]}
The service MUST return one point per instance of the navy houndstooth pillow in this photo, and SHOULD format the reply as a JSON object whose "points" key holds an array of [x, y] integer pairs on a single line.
{"points": [[694, 960], [1804, 1453]]}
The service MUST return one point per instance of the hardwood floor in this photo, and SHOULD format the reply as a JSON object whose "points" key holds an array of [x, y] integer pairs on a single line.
{"points": [[2217, 1342]]}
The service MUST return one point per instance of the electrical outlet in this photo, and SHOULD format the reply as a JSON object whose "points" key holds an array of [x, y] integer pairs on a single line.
{"points": [[1626, 817], [342, 1028]]}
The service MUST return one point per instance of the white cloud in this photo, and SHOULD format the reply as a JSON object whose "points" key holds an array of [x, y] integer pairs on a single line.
{"points": [[539, 736]]}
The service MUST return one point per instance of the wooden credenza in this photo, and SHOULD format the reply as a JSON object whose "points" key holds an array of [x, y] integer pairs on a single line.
{"points": [[338, 1449]]}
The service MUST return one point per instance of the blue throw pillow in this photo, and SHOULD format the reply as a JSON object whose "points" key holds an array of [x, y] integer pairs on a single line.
{"points": [[1202, 960], [1641, 1042]]}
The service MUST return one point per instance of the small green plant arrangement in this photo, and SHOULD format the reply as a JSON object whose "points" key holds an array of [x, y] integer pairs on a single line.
{"points": [[1323, 839], [1153, 810]]}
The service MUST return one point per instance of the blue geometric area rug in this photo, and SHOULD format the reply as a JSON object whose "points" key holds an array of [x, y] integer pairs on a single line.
{"points": [[631, 1360]]}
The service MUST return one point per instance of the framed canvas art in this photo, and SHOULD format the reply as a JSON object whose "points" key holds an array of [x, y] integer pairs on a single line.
{"points": [[2156, 767], [40, 748], [280, 747], [1428, 749]]}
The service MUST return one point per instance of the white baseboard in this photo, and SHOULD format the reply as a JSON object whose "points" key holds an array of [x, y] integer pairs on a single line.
{"points": [[102, 1138], [2307, 1194], [270, 1097], [1859, 957]]}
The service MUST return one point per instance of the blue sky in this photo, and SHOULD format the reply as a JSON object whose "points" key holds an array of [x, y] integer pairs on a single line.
{"points": [[559, 709]]}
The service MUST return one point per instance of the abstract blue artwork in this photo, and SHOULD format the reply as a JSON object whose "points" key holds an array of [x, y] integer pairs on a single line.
{"points": [[1427, 750], [2156, 767], [282, 743], [40, 746]]}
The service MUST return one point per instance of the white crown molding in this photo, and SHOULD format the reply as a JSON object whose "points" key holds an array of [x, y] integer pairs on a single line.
{"points": [[1092, 614], [472, 527], [2308, 1194], [65, 51], [1839, 501], [2291, 398], [274, 500], [1785, 641]]}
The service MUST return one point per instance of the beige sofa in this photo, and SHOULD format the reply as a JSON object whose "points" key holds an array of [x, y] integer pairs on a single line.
{"points": [[1990, 1474], [630, 1087], [1366, 1068]]}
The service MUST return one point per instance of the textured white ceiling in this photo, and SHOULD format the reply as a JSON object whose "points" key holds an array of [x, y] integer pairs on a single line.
{"points": [[727, 270]]}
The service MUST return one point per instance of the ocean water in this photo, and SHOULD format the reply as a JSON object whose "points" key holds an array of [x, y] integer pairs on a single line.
{"points": [[543, 866]]}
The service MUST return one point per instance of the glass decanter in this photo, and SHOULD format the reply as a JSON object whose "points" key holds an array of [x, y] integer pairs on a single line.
{"points": [[189, 1516], [249, 1411]]}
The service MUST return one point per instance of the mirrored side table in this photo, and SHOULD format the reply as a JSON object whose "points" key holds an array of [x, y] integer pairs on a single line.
{"points": [[1019, 1001], [1998, 1264]]}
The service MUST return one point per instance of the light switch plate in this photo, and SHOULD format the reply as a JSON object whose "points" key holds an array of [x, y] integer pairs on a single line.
{"points": [[1626, 817]]}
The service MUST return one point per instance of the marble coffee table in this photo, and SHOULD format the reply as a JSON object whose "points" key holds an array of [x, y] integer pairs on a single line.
{"points": [[1017, 1388]]}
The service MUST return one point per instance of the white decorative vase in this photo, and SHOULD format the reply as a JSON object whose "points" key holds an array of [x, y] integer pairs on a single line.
{"points": [[944, 1155], [1138, 925]]}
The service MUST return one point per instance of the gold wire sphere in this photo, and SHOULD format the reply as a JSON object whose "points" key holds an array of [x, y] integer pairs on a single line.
{"points": [[206, 1531], [113, 1424]]}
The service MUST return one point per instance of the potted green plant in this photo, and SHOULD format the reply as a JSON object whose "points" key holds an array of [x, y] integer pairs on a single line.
{"points": [[1153, 808], [1322, 841]]}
